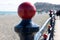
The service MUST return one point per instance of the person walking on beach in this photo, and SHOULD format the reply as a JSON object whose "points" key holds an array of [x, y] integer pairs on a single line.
{"points": [[58, 14]]}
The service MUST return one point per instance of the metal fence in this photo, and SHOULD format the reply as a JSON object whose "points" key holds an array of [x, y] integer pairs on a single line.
{"points": [[44, 28]]}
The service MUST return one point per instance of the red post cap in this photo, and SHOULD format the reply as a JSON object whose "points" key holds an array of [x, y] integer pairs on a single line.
{"points": [[49, 26], [26, 10], [51, 11], [45, 35]]}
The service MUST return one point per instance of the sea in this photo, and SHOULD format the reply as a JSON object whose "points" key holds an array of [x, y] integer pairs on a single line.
{"points": [[8, 13], [14, 12]]}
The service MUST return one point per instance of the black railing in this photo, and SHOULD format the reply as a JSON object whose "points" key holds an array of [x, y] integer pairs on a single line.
{"points": [[42, 30], [50, 34]]}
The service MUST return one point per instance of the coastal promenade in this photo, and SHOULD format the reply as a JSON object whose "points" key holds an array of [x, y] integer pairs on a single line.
{"points": [[57, 30]]}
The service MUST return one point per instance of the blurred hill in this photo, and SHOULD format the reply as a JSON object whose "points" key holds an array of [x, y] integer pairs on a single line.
{"points": [[41, 6]]}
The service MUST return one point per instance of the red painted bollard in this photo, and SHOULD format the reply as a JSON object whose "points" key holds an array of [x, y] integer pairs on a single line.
{"points": [[45, 36], [26, 29], [49, 26]]}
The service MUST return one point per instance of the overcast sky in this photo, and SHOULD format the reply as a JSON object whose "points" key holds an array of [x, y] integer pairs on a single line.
{"points": [[12, 5]]}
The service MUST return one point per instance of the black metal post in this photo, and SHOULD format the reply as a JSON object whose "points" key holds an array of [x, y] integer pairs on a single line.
{"points": [[26, 29], [49, 27], [51, 17]]}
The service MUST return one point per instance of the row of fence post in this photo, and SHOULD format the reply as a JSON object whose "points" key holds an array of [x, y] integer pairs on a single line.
{"points": [[51, 28]]}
